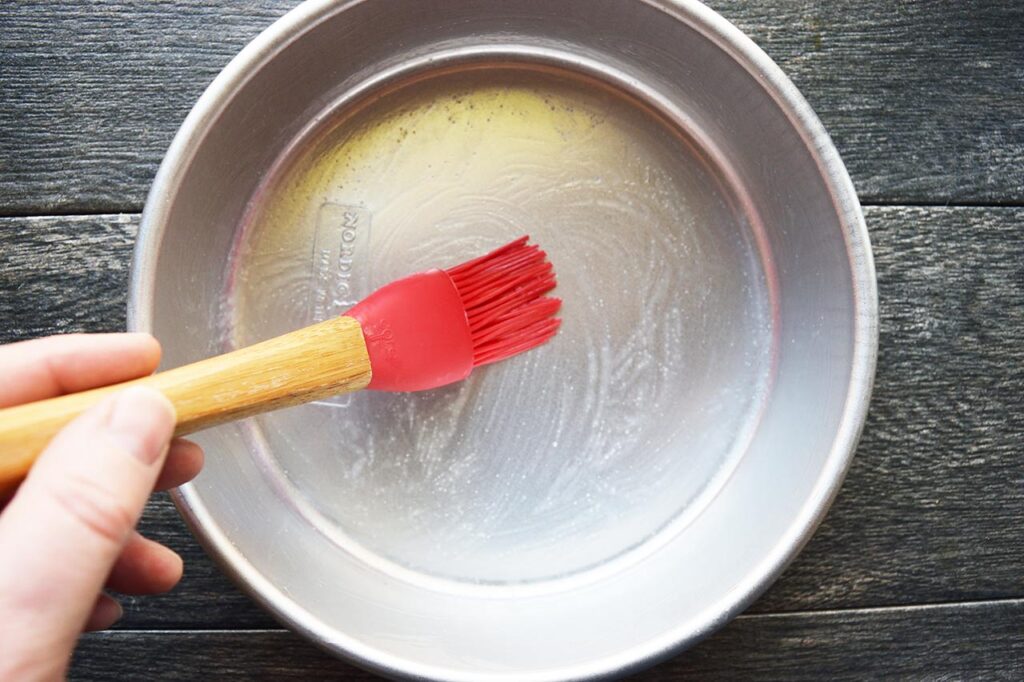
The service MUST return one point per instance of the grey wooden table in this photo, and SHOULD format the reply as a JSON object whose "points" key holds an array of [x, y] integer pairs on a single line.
{"points": [[918, 571]]}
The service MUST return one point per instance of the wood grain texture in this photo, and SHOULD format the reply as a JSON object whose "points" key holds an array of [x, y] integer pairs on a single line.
{"points": [[932, 509], [962, 642], [933, 506], [923, 99], [61, 275], [101, 87], [307, 364]]}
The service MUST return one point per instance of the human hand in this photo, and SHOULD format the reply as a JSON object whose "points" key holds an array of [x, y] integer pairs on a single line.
{"points": [[68, 533]]}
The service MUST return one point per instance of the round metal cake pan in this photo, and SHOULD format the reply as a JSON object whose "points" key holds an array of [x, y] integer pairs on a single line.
{"points": [[594, 505]]}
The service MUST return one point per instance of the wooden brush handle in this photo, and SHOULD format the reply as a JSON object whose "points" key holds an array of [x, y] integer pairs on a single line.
{"points": [[317, 361]]}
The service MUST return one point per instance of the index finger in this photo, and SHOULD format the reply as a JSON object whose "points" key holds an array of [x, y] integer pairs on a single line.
{"points": [[55, 365]]}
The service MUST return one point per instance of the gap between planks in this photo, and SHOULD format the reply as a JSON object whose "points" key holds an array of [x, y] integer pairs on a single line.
{"points": [[134, 210], [775, 615]]}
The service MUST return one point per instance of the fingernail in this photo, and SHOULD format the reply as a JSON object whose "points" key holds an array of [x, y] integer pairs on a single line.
{"points": [[106, 614], [141, 421], [118, 613]]}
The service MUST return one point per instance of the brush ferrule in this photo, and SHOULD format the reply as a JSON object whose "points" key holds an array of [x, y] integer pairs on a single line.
{"points": [[416, 333]]}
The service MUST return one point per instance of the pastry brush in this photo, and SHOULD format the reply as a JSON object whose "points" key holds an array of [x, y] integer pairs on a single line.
{"points": [[423, 331]]}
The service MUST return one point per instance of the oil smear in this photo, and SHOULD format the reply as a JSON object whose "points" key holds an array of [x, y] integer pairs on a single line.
{"points": [[559, 460]]}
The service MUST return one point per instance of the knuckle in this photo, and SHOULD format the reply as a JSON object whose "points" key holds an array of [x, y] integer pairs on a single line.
{"points": [[95, 508]]}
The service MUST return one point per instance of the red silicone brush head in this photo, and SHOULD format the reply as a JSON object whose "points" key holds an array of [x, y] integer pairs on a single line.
{"points": [[433, 328], [503, 296]]}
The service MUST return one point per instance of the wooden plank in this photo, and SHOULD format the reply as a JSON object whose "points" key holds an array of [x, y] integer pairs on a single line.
{"points": [[67, 274], [922, 99], [959, 641], [934, 501], [210, 655], [932, 506], [94, 91]]}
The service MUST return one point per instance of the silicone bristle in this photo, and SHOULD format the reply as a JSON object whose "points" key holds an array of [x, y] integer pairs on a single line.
{"points": [[503, 294]]}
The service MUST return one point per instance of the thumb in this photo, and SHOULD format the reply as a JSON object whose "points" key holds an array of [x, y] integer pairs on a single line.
{"points": [[69, 521]]}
